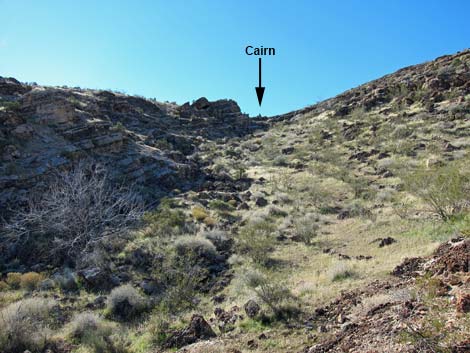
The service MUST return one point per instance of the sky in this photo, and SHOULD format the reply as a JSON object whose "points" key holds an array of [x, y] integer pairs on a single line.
{"points": [[180, 50]]}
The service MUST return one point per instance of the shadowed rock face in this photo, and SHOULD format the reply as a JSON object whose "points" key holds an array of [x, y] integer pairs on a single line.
{"points": [[141, 141]]}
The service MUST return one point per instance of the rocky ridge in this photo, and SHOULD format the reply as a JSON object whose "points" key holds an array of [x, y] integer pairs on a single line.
{"points": [[146, 142]]}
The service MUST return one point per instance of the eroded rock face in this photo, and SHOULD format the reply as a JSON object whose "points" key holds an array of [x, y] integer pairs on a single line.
{"points": [[140, 141]]}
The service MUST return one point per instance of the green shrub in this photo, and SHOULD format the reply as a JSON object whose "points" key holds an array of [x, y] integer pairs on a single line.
{"points": [[444, 189], [183, 280], [12, 106], [273, 294], [23, 325], [158, 328], [90, 330], [306, 227], [125, 303], [256, 240], [221, 205], [166, 220]]}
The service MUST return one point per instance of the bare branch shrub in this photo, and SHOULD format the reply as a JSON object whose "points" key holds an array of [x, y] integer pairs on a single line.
{"points": [[78, 209]]}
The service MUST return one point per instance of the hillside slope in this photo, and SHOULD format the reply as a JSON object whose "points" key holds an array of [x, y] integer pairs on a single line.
{"points": [[319, 230]]}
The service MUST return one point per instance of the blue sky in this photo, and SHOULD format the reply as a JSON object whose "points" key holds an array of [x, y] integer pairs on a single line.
{"points": [[180, 50]]}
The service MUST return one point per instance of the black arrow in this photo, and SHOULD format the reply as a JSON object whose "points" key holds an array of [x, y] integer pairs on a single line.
{"points": [[259, 89]]}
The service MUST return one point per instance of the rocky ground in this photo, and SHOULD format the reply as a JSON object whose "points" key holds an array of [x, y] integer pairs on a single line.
{"points": [[314, 231]]}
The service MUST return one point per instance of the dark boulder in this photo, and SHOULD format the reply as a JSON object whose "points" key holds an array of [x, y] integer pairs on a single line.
{"points": [[251, 308], [198, 329]]}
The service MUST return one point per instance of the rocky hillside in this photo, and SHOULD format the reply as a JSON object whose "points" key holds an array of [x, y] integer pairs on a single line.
{"points": [[341, 227], [147, 142]]}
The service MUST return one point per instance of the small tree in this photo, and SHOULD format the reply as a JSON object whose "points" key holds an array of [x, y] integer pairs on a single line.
{"points": [[444, 189], [78, 209]]}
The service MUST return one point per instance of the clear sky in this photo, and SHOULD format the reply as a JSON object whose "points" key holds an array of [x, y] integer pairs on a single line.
{"points": [[180, 50]]}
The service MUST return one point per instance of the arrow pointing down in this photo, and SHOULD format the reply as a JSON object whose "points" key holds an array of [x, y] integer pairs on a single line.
{"points": [[259, 89]]}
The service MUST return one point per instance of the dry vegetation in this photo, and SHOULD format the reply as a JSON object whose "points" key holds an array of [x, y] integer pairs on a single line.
{"points": [[323, 204]]}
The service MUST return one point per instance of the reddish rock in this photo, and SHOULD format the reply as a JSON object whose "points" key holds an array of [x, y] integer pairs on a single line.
{"points": [[463, 302], [198, 329]]}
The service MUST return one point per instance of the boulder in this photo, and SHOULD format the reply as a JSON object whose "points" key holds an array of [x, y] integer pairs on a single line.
{"points": [[386, 241], [287, 150], [261, 202], [251, 308], [198, 329], [98, 279]]}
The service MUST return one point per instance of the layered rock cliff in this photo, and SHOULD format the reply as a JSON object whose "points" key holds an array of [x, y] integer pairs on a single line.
{"points": [[146, 142]]}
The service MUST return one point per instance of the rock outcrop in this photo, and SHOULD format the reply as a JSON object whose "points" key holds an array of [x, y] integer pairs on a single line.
{"points": [[147, 143]]}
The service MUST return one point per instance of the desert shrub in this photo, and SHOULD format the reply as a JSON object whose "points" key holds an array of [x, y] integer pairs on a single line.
{"points": [[360, 187], [209, 221], [4, 286], [306, 227], [356, 208], [199, 213], [256, 240], [76, 212], [280, 161], [385, 195], [273, 294], [23, 325], [283, 198], [159, 328], [183, 280], [235, 260], [66, 280], [402, 132], [12, 106], [444, 189], [238, 169], [341, 271], [90, 330], [14, 280], [221, 205], [318, 194], [125, 303], [218, 237], [275, 211], [30, 280], [166, 220], [195, 248]]}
